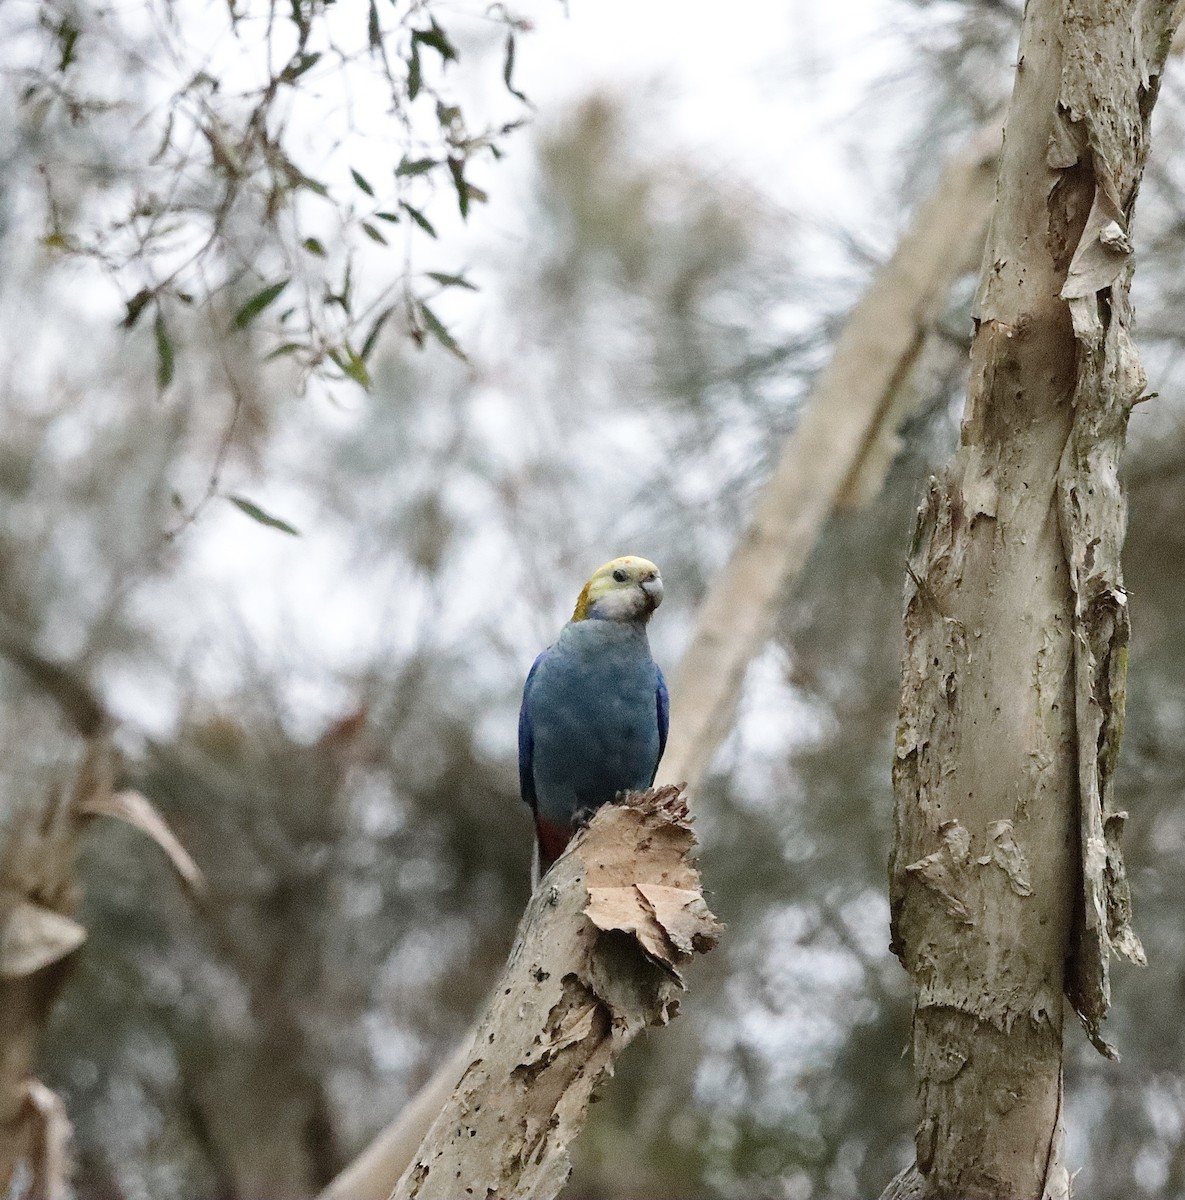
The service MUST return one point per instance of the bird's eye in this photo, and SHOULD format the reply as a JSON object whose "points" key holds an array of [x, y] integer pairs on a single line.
{"points": [[620, 575]]}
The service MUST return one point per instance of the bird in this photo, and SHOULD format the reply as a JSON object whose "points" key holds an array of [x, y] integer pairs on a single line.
{"points": [[595, 707]]}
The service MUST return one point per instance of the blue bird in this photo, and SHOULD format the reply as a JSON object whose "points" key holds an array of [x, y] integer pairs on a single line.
{"points": [[595, 707]]}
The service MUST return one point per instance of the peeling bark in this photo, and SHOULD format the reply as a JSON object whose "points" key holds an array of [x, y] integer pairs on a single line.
{"points": [[596, 960], [1006, 860]]}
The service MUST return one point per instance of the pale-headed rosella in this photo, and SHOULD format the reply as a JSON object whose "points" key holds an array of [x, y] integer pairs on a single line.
{"points": [[595, 708]]}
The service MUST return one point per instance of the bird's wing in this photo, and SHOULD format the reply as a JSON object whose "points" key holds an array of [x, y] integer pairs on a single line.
{"points": [[526, 740], [663, 699]]}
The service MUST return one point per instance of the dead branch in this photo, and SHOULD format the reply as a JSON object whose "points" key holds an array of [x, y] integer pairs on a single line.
{"points": [[77, 700], [37, 935], [840, 450], [373, 1172], [596, 960]]}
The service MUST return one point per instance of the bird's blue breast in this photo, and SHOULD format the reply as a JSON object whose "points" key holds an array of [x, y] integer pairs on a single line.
{"points": [[591, 718]]}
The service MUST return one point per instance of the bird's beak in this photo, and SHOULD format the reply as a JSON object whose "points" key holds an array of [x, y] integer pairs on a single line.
{"points": [[653, 592]]}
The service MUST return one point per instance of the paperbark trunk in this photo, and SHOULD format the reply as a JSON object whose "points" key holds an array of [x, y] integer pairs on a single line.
{"points": [[1007, 882], [596, 960]]}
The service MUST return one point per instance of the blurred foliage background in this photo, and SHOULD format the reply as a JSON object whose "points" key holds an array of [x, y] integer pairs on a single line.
{"points": [[327, 720]]}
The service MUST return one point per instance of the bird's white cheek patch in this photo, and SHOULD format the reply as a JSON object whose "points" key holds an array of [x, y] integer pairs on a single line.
{"points": [[620, 605]]}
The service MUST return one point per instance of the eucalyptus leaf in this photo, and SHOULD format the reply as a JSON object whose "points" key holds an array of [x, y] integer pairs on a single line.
{"points": [[434, 326], [251, 509], [165, 360], [419, 218], [249, 311]]}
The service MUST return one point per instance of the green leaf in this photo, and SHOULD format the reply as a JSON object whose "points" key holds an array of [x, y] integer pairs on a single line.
{"points": [[374, 32], [447, 114], [508, 70], [313, 246], [352, 366], [165, 361], [415, 77], [451, 280], [373, 234], [419, 218], [135, 307], [257, 304], [456, 168], [298, 65], [414, 166], [264, 518], [433, 325], [67, 34], [373, 335], [361, 182], [299, 179], [286, 349], [388, 216], [435, 37]]}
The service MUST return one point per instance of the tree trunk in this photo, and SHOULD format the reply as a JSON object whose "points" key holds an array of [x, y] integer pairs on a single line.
{"points": [[1006, 861]]}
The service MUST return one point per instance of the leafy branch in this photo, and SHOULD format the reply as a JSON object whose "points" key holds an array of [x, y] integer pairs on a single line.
{"points": [[232, 192]]}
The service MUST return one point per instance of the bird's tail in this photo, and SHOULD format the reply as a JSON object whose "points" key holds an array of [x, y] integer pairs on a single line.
{"points": [[550, 842]]}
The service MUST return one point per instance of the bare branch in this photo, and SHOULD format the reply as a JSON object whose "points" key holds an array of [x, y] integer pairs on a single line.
{"points": [[77, 700], [37, 936], [597, 959], [840, 449]]}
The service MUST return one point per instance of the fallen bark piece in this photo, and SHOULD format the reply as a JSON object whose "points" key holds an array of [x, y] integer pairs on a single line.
{"points": [[597, 958]]}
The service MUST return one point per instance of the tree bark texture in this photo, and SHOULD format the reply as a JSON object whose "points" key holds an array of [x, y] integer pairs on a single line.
{"points": [[1007, 882], [597, 959], [838, 453]]}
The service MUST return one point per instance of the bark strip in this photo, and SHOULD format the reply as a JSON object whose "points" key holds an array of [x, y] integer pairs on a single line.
{"points": [[596, 960], [1006, 859]]}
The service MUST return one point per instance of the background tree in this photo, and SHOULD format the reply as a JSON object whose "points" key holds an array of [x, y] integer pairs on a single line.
{"points": [[327, 721]]}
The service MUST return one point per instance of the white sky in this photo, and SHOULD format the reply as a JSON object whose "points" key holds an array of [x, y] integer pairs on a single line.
{"points": [[761, 91]]}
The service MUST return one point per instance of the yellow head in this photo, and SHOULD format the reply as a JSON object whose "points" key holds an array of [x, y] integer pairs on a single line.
{"points": [[626, 589]]}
